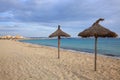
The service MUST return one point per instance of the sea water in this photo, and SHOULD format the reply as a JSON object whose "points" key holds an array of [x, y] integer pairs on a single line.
{"points": [[105, 46]]}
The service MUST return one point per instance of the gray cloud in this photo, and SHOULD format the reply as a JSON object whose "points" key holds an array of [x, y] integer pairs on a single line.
{"points": [[58, 10], [78, 14]]}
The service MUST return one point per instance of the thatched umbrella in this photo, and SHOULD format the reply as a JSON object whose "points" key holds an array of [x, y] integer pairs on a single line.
{"points": [[58, 33], [96, 30]]}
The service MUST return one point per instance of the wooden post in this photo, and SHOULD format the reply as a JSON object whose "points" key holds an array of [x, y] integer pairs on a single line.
{"points": [[58, 47], [95, 64]]}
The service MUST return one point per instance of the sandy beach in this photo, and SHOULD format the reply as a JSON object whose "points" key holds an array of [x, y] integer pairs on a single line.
{"points": [[22, 61]]}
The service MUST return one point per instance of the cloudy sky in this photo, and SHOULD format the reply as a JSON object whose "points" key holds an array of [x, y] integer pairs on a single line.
{"points": [[39, 18]]}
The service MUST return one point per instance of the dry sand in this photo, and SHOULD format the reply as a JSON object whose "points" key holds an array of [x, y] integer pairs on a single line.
{"points": [[21, 61]]}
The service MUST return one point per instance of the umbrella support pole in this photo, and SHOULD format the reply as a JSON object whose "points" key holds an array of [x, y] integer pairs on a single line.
{"points": [[95, 64], [58, 47]]}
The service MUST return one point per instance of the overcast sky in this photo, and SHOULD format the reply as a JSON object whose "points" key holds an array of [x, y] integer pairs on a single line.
{"points": [[39, 18]]}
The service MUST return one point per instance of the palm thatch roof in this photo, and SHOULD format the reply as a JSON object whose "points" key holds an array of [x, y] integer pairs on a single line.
{"points": [[59, 32], [96, 30]]}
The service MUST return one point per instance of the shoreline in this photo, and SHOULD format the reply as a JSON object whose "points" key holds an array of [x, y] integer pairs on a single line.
{"points": [[76, 51], [25, 61]]}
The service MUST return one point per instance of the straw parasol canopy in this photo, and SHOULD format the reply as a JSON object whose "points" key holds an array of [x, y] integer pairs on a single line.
{"points": [[96, 30], [58, 33]]}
